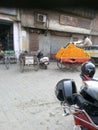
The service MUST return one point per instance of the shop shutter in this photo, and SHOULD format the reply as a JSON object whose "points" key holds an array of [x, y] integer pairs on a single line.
{"points": [[33, 41]]}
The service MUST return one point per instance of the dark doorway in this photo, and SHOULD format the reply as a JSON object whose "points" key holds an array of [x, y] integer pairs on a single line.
{"points": [[6, 35]]}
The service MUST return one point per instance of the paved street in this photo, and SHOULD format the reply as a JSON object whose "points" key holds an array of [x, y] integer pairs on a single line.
{"points": [[27, 100]]}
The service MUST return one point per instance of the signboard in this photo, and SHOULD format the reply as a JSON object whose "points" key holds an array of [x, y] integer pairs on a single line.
{"points": [[75, 21], [10, 11]]}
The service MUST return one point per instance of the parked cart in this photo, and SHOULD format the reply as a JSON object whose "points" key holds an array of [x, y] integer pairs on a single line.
{"points": [[28, 60], [71, 57], [71, 63], [8, 58]]}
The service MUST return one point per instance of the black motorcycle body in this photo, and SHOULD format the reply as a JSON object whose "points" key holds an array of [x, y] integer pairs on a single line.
{"points": [[83, 104]]}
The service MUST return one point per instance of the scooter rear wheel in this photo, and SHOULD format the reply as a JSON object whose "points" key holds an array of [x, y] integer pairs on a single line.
{"points": [[43, 66]]}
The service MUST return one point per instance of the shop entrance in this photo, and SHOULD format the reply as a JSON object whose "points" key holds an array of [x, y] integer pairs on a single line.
{"points": [[6, 35]]}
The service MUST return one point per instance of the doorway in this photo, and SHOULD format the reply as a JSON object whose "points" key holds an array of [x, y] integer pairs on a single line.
{"points": [[6, 35]]}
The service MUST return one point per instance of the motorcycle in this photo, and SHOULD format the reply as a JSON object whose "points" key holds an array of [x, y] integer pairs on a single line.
{"points": [[43, 60], [87, 72], [82, 104]]}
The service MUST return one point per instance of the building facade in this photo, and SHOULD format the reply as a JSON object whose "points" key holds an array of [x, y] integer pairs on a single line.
{"points": [[46, 30]]}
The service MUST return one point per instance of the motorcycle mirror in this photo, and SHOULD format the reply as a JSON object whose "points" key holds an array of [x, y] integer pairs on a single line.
{"points": [[65, 89]]}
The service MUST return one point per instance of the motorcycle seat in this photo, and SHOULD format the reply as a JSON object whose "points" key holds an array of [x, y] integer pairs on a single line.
{"points": [[79, 100]]}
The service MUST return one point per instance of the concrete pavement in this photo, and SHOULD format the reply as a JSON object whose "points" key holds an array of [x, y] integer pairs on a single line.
{"points": [[27, 100]]}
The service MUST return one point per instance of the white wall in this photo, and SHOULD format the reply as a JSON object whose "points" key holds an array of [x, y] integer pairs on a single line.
{"points": [[16, 38]]}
